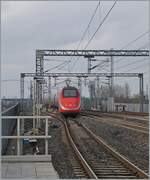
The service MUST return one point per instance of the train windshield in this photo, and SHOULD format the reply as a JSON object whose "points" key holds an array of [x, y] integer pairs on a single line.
{"points": [[70, 93]]}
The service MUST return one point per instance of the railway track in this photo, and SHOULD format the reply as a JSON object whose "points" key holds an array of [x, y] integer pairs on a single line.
{"points": [[134, 113], [125, 112], [124, 116], [78, 166], [140, 127], [128, 118], [95, 158]]}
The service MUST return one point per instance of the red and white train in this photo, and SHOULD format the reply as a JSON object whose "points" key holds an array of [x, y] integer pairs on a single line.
{"points": [[69, 101]]}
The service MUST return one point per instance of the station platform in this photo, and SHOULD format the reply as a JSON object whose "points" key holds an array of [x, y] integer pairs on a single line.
{"points": [[28, 166]]}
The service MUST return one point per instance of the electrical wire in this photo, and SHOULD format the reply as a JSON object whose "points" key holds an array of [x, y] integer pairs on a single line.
{"points": [[136, 39], [83, 36], [133, 41], [100, 24], [120, 67], [53, 59], [12, 80], [55, 67], [137, 67], [85, 32], [142, 47]]}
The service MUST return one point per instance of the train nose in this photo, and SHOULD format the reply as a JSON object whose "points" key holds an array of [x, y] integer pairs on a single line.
{"points": [[68, 104], [71, 105]]}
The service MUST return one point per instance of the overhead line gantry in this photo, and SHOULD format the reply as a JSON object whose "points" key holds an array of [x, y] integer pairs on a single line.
{"points": [[41, 53], [57, 52]]}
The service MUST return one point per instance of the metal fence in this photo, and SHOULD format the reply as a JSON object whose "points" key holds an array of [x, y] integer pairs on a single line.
{"points": [[8, 126], [8, 103], [20, 136]]}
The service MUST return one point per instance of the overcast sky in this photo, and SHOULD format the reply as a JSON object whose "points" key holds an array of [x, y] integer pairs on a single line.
{"points": [[27, 26]]}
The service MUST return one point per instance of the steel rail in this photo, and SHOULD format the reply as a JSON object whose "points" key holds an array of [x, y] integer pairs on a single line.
{"points": [[136, 113], [83, 162], [86, 166], [128, 164], [126, 116], [128, 125], [125, 113]]}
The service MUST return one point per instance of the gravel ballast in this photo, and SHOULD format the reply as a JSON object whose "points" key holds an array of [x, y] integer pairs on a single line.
{"points": [[132, 144], [59, 150]]}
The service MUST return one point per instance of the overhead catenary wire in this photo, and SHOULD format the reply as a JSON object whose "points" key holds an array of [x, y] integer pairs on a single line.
{"points": [[136, 39], [94, 13], [142, 47], [133, 41], [136, 67], [102, 22], [53, 59], [136, 61], [55, 67], [85, 32], [5, 80], [12, 80]]}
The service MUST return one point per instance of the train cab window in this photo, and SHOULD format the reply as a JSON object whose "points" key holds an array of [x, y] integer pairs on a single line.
{"points": [[70, 93]]}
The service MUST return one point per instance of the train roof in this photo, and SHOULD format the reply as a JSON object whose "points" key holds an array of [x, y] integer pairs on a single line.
{"points": [[69, 87]]}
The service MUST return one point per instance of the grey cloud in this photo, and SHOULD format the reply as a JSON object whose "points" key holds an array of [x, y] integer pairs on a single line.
{"points": [[31, 25]]}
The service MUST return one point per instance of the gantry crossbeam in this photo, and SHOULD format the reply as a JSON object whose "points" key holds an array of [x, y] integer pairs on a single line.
{"points": [[81, 75], [84, 53]]}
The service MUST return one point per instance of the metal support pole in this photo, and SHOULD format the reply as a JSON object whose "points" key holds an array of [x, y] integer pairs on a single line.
{"points": [[38, 104], [85, 81], [22, 92], [80, 89], [40, 95], [18, 136], [22, 106], [31, 90], [141, 86], [112, 78], [55, 81], [34, 97], [39, 88], [90, 93], [49, 89], [46, 138], [147, 97], [109, 85], [89, 65], [80, 85], [42, 83], [94, 96], [89, 71], [34, 102], [97, 95]]}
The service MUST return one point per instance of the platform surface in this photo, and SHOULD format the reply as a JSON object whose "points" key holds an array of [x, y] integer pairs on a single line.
{"points": [[28, 167]]}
